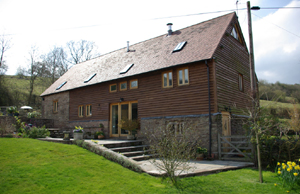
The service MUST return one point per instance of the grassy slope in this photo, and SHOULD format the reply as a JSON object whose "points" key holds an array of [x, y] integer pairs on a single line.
{"points": [[22, 85], [273, 104], [32, 166]]}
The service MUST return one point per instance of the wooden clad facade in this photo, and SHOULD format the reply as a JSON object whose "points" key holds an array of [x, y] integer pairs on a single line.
{"points": [[153, 99], [232, 60]]}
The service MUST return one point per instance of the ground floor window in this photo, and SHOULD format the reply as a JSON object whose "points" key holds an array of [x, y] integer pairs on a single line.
{"points": [[80, 111], [88, 109], [241, 83], [55, 106]]}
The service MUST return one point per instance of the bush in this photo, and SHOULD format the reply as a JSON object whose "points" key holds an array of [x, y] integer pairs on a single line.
{"points": [[33, 114], [275, 149], [35, 132], [19, 125]]}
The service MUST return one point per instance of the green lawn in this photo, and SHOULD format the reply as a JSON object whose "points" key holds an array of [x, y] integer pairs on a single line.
{"points": [[33, 166]]}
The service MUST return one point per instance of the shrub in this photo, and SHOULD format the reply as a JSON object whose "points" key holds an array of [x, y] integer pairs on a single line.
{"points": [[19, 125], [12, 110], [33, 114], [278, 149], [36, 132]]}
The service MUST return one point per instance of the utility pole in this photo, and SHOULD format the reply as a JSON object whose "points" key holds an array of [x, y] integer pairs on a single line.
{"points": [[251, 54], [253, 83]]}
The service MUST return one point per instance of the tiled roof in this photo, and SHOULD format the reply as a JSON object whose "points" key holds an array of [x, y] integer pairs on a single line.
{"points": [[150, 55]]}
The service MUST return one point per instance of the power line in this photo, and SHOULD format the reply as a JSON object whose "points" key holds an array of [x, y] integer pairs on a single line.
{"points": [[187, 15], [278, 26], [280, 8]]}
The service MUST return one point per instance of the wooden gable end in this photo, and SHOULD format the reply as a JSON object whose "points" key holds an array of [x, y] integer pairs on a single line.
{"points": [[232, 70]]}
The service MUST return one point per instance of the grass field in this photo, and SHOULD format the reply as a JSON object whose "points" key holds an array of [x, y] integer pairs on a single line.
{"points": [[21, 85], [273, 104], [33, 166]]}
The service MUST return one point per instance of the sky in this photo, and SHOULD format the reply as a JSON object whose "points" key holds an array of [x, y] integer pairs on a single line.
{"points": [[111, 23]]}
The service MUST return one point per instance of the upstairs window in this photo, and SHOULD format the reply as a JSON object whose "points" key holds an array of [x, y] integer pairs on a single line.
{"points": [[134, 84], [179, 46], [90, 77], [113, 88], [183, 76], [123, 86], [167, 79], [241, 82], [55, 106], [88, 109], [61, 85], [126, 69], [235, 34], [80, 110]]}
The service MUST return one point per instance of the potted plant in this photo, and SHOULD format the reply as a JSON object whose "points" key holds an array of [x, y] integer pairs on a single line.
{"points": [[78, 133], [100, 134], [130, 126], [201, 153], [101, 126]]}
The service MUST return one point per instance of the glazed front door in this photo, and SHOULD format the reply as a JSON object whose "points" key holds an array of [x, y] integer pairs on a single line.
{"points": [[119, 111]]}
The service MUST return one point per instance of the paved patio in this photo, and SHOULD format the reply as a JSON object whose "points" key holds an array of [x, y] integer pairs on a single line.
{"points": [[203, 167]]}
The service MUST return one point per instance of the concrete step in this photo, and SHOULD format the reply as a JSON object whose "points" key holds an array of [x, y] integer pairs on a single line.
{"points": [[124, 144], [129, 149], [135, 153], [142, 157]]}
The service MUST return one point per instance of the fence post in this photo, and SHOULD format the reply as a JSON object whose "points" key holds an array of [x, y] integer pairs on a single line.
{"points": [[219, 146]]}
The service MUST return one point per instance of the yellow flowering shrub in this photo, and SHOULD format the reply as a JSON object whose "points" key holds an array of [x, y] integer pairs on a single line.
{"points": [[288, 173]]}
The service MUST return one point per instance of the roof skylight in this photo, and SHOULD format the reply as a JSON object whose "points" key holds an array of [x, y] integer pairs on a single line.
{"points": [[89, 79], [179, 46], [126, 69], [61, 85]]}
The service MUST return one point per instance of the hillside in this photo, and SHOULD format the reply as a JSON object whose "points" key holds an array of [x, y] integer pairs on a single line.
{"points": [[17, 89]]}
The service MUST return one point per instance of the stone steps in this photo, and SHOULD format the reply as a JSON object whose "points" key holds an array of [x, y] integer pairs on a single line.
{"points": [[134, 150]]}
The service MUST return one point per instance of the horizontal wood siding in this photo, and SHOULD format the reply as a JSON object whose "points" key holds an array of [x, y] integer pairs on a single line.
{"points": [[231, 59], [153, 100]]}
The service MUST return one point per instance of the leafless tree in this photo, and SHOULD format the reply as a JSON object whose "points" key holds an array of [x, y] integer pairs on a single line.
{"points": [[81, 51], [173, 146], [55, 63], [5, 44], [36, 69], [21, 72]]}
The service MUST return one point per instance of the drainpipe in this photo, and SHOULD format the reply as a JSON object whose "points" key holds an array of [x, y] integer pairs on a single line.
{"points": [[209, 109]]}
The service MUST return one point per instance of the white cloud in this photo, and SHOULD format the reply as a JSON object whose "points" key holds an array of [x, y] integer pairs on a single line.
{"points": [[276, 44]]}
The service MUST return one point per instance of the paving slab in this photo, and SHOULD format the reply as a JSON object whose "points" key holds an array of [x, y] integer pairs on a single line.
{"points": [[196, 167]]}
